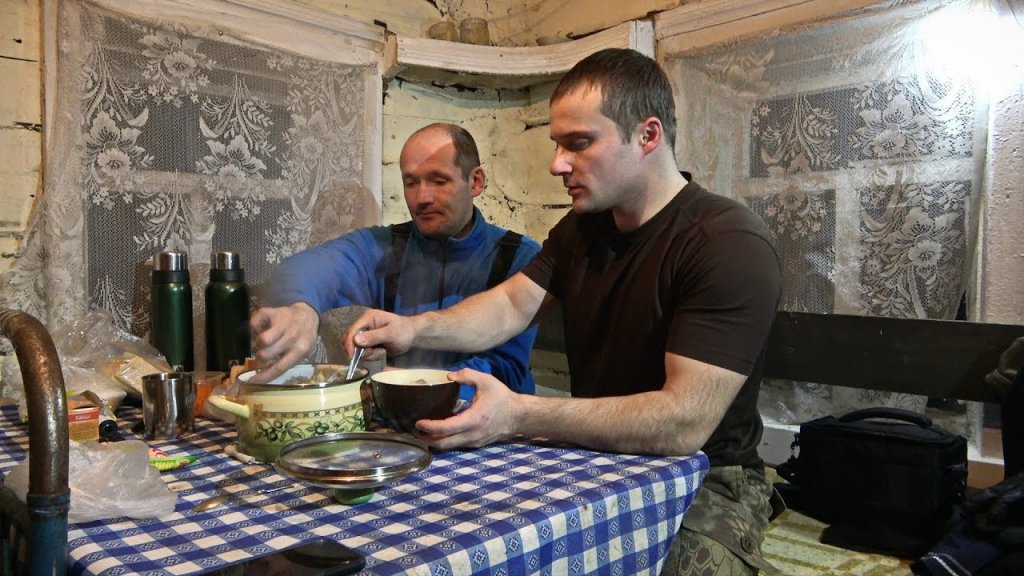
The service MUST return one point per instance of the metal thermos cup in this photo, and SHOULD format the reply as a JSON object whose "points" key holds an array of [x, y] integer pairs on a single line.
{"points": [[168, 405], [227, 314], [171, 310]]}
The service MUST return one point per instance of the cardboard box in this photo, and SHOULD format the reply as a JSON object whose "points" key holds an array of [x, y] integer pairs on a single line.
{"points": [[83, 419]]}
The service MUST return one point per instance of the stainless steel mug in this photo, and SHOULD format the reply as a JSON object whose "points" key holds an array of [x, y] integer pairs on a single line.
{"points": [[168, 405]]}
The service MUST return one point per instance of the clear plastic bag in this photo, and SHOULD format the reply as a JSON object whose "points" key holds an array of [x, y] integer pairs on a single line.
{"points": [[94, 355], [77, 380], [94, 342], [93, 339], [108, 480]]}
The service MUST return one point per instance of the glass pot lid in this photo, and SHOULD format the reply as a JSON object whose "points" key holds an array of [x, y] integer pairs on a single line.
{"points": [[353, 460]]}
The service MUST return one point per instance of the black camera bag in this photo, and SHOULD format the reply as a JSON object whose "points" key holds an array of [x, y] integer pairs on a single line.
{"points": [[883, 468]]}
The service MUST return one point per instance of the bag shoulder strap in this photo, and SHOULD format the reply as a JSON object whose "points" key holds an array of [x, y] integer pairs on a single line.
{"points": [[399, 237], [502, 263]]}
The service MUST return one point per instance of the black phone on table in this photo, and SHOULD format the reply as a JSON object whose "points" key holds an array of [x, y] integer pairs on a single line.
{"points": [[322, 557]]}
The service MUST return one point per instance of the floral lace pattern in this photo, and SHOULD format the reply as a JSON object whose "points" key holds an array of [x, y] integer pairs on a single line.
{"points": [[176, 136], [859, 156], [914, 242]]}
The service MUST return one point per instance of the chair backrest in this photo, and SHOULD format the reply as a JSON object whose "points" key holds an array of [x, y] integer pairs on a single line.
{"points": [[34, 533], [935, 358]]}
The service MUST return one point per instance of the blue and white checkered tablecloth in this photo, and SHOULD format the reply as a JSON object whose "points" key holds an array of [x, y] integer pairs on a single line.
{"points": [[505, 509]]}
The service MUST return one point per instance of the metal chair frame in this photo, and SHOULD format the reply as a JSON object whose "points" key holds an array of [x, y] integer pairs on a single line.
{"points": [[34, 533]]}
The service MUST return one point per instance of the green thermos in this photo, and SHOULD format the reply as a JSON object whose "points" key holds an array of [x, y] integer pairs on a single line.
{"points": [[227, 314], [171, 310]]}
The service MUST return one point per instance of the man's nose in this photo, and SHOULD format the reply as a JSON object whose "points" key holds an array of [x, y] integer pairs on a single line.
{"points": [[559, 165], [424, 194]]}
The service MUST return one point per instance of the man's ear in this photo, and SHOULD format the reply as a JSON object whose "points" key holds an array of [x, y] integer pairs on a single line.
{"points": [[651, 134], [477, 181]]}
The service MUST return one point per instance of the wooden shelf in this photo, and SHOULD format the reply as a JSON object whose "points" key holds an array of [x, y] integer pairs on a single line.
{"points": [[441, 63], [699, 24]]}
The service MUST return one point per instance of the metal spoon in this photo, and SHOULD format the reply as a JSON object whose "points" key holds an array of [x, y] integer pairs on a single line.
{"points": [[213, 502], [356, 356]]}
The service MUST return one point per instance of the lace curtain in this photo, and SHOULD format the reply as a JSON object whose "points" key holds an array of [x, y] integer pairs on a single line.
{"points": [[178, 135], [865, 156]]}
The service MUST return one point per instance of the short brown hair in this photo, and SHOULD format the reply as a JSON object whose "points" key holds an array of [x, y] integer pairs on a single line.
{"points": [[633, 87], [467, 157]]}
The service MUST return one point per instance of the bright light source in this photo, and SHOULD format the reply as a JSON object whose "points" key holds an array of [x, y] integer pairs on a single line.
{"points": [[972, 42]]}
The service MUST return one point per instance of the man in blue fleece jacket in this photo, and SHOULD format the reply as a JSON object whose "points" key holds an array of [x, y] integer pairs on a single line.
{"points": [[445, 254]]}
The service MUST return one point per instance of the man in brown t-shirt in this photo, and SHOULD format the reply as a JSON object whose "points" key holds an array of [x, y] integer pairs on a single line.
{"points": [[668, 293]]}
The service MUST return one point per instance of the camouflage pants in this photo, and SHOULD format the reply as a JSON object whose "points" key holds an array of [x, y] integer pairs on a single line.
{"points": [[724, 527]]}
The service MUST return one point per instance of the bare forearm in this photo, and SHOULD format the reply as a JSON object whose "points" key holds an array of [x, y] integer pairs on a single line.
{"points": [[647, 423], [675, 420], [472, 325], [481, 321]]}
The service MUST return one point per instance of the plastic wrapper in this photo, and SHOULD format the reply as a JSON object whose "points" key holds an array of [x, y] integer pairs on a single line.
{"points": [[108, 480], [76, 381], [226, 388], [163, 461], [95, 342], [94, 339], [94, 355], [128, 368]]}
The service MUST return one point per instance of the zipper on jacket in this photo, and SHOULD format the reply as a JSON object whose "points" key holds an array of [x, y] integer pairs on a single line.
{"points": [[444, 265]]}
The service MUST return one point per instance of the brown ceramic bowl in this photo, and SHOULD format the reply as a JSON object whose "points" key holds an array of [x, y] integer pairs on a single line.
{"points": [[405, 396]]}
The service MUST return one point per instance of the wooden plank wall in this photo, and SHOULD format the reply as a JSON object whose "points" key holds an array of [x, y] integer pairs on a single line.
{"points": [[20, 121]]}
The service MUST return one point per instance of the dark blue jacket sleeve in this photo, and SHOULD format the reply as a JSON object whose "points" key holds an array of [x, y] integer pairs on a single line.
{"points": [[339, 272]]}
